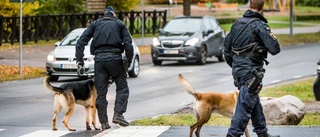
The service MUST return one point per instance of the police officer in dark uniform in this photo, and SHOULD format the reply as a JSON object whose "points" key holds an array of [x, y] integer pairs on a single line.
{"points": [[110, 39], [246, 49]]}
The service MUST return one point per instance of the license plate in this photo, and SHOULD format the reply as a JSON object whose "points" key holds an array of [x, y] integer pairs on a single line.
{"points": [[69, 66], [170, 51]]}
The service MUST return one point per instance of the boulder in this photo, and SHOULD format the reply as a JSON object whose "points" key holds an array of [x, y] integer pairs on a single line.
{"points": [[286, 110]]}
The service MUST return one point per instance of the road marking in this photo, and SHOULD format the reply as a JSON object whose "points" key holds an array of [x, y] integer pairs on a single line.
{"points": [[47, 133], [2, 129], [275, 81], [137, 131], [296, 77]]}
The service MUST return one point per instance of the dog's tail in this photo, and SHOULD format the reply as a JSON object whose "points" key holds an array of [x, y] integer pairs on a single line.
{"points": [[188, 87], [46, 84]]}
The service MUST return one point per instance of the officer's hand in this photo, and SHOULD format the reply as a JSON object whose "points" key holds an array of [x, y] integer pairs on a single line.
{"points": [[80, 70], [80, 64]]}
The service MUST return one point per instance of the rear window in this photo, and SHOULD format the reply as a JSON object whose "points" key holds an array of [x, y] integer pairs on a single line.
{"points": [[183, 25]]}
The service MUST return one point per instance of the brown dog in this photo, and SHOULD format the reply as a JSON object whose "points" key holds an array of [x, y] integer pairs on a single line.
{"points": [[68, 94], [208, 102]]}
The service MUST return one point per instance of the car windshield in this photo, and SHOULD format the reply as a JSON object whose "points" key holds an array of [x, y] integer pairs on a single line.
{"points": [[183, 25], [71, 39]]}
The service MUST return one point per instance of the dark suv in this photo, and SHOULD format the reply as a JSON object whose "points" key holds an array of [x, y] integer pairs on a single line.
{"points": [[188, 38]]}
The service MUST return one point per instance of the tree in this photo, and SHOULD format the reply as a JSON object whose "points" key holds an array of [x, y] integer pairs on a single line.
{"points": [[124, 5], [61, 6], [8, 8], [187, 7]]}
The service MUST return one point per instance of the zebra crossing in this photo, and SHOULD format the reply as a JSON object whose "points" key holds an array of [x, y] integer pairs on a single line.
{"points": [[157, 131], [130, 131], [47, 133]]}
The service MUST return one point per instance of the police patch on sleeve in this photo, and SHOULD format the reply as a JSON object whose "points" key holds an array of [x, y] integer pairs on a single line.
{"points": [[273, 36], [267, 28]]}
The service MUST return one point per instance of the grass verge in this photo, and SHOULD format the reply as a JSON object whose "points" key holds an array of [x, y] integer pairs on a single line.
{"points": [[300, 89], [9, 73]]}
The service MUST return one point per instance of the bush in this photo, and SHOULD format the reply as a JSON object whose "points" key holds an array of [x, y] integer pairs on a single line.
{"points": [[314, 3]]}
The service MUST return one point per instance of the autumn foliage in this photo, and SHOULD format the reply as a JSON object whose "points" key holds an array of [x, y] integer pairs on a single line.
{"points": [[8, 73]]}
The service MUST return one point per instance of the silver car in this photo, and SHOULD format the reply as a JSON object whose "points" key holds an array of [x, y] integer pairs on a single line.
{"points": [[62, 62]]}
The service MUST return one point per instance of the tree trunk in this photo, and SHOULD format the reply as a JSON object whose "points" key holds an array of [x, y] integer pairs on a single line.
{"points": [[187, 7]]}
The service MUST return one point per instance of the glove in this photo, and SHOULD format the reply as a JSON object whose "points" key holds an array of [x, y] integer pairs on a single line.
{"points": [[81, 69], [80, 64]]}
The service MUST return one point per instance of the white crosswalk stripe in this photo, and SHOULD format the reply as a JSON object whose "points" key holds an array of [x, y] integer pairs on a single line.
{"points": [[137, 131], [130, 131], [47, 133]]}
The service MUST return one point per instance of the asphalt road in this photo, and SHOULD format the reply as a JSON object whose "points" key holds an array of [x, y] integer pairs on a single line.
{"points": [[26, 107]]}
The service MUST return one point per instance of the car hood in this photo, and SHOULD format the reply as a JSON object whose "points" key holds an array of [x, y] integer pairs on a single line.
{"points": [[69, 51], [176, 36]]}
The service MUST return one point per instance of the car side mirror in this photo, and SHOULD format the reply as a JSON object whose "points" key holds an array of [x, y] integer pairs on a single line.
{"points": [[210, 31], [160, 30], [206, 33], [57, 43]]}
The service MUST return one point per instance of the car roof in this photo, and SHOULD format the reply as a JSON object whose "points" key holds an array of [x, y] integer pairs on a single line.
{"points": [[196, 17], [79, 30]]}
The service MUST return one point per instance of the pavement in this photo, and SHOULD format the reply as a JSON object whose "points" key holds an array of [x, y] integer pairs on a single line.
{"points": [[174, 131], [208, 131]]}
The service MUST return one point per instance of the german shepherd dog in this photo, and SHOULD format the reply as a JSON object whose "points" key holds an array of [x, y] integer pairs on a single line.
{"points": [[209, 102], [68, 94]]}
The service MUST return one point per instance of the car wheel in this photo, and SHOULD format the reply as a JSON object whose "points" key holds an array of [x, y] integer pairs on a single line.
{"points": [[221, 57], [202, 56], [54, 78], [157, 62], [135, 69]]}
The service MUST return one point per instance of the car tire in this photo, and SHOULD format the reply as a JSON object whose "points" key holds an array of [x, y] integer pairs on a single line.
{"points": [[135, 68], [221, 57], [157, 62], [202, 56], [54, 78]]}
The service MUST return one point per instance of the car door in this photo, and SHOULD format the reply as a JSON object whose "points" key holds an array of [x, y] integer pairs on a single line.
{"points": [[218, 36], [208, 37]]}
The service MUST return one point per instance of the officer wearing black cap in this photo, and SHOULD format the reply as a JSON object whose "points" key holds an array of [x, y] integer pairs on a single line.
{"points": [[110, 39], [246, 48]]}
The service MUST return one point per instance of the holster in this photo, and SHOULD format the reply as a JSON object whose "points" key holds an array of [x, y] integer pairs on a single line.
{"points": [[125, 64], [255, 84]]}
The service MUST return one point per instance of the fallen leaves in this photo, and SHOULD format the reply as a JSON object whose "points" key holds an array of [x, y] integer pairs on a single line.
{"points": [[8, 73]]}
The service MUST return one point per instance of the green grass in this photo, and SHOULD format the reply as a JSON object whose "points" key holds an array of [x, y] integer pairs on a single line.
{"points": [[300, 89], [306, 9]]}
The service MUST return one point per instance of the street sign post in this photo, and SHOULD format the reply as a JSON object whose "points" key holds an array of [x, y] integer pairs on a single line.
{"points": [[20, 47]]}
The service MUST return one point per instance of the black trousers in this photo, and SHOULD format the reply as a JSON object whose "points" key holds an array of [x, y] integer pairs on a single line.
{"points": [[103, 71], [248, 107]]}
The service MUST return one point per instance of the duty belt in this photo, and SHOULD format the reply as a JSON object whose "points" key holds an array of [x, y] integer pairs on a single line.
{"points": [[108, 53]]}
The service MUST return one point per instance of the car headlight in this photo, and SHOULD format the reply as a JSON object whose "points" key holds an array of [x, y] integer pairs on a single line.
{"points": [[156, 42], [90, 59], [192, 41], [51, 57]]}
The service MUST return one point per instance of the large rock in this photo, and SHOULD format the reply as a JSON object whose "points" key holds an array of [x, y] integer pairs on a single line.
{"points": [[286, 110]]}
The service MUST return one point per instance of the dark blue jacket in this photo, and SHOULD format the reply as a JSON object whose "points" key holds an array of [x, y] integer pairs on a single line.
{"points": [[257, 31], [110, 35]]}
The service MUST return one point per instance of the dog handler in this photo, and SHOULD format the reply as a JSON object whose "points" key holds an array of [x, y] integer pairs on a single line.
{"points": [[110, 39], [246, 49]]}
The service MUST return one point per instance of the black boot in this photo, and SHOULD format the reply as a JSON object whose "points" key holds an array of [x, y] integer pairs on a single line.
{"points": [[105, 125], [228, 135], [266, 134], [119, 119]]}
